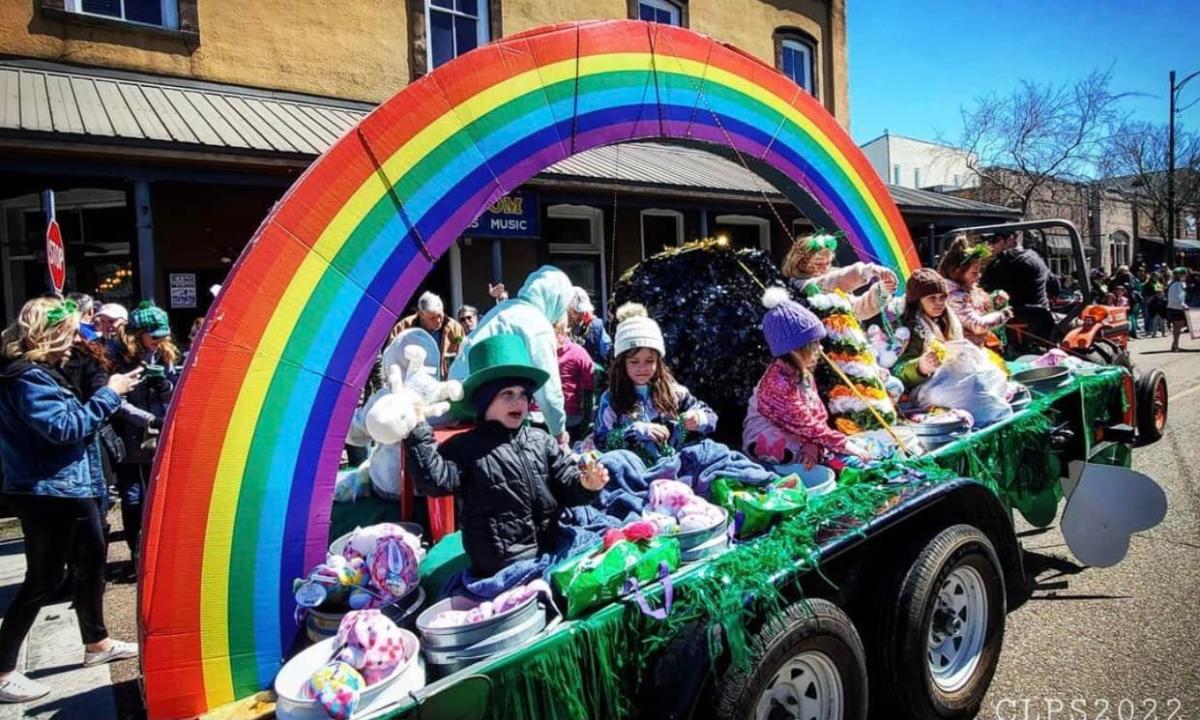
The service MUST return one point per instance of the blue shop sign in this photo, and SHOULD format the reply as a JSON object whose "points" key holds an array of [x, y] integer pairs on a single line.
{"points": [[512, 216]]}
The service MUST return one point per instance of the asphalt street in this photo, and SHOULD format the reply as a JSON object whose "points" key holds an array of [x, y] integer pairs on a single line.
{"points": [[1120, 643]]}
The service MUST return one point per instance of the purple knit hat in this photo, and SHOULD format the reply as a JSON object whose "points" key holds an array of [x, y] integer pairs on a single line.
{"points": [[788, 325]]}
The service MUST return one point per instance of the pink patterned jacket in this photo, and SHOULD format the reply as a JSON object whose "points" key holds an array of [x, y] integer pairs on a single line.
{"points": [[974, 310], [787, 421]]}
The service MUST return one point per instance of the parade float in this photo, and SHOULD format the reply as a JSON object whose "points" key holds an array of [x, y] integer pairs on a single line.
{"points": [[902, 573]]}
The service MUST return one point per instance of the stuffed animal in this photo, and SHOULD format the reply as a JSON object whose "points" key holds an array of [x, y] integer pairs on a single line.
{"points": [[411, 396], [887, 350], [337, 687], [370, 643]]}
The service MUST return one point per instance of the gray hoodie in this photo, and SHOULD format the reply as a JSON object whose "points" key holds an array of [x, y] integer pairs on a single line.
{"points": [[541, 302]]}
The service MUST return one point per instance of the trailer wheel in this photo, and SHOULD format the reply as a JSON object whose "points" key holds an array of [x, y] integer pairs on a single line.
{"points": [[941, 640], [1152, 403], [807, 663]]}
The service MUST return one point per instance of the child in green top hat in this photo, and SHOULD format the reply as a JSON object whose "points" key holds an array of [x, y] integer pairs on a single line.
{"points": [[512, 479]]}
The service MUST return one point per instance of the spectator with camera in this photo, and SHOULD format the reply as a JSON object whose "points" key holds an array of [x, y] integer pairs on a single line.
{"points": [[143, 342]]}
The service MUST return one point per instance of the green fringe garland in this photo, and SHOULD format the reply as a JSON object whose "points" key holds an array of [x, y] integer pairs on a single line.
{"points": [[593, 669]]}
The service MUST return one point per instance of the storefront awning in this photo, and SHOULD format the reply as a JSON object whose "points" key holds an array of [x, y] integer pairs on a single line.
{"points": [[1181, 244], [50, 102], [63, 107]]}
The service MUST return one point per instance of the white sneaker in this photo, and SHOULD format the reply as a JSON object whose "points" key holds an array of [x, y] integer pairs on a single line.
{"points": [[16, 688], [118, 650]]}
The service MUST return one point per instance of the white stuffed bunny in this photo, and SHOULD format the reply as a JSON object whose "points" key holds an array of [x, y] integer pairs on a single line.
{"points": [[409, 398]]}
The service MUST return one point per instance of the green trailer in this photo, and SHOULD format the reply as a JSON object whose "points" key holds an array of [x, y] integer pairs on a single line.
{"points": [[890, 593]]}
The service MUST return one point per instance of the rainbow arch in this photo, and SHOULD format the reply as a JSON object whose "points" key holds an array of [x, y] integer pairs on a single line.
{"points": [[242, 488]]}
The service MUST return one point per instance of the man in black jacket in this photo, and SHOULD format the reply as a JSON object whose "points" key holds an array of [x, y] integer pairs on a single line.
{"points": [[1022, 274], [512, 479]]}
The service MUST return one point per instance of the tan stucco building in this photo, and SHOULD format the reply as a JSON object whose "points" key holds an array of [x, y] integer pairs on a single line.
{"points": [[364, 51], [168, 128]]}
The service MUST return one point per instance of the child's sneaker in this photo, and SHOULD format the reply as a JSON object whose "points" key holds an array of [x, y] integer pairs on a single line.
{"points": [[16, 688], [118, 650]]}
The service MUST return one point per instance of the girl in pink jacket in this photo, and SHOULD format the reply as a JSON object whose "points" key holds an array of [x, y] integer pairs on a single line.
{"points": [[961, 266], [786, 421]]}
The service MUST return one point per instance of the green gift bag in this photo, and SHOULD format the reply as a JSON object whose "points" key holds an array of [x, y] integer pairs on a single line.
{"points": [[595, 578], [755, 509]]}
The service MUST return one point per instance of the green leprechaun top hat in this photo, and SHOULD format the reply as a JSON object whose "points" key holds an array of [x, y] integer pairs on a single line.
{"points": [[499, 357]]}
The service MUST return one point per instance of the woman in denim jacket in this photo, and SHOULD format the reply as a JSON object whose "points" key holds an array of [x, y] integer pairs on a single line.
{"points": [[50, 460]]}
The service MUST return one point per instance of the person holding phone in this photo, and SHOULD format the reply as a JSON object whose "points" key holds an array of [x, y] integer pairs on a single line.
{"points": [[50, 458], [144, 342]]}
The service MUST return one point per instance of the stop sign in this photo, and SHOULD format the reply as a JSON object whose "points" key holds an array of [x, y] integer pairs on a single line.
{"points": [[56, 257]]}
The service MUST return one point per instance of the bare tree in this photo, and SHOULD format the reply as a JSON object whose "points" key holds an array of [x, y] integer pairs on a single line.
{"points": [[1135, 165], [1034, 142]]}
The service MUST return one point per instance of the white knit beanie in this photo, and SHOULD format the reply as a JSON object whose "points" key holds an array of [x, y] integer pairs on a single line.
{"points": [[636, 329]]}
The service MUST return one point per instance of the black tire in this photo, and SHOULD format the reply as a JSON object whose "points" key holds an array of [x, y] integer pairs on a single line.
{"points": [[1147, 396], [821, 629], [905, 680], [1114, 354]]}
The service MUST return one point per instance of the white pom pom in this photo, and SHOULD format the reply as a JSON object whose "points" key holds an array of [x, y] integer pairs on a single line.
{"points": [[629, 310], [774, 297]]}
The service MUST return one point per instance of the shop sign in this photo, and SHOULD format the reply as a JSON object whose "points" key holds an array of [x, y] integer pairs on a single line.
{"points": [[183, 290], [512, 216], [56, 256]]}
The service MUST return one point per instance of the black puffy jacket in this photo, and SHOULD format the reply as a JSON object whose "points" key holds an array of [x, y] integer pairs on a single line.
{"points": [[512, 485]]}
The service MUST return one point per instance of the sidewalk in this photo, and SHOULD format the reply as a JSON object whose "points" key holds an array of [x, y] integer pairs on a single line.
{"points": [[53, 654]]}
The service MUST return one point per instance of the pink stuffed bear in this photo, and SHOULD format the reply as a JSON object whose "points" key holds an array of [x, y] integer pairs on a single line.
{"points": [[371, 643]]}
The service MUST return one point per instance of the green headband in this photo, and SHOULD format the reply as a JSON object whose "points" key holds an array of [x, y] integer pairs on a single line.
{"points": [[824, 241], [977, 252], [60, 312]]}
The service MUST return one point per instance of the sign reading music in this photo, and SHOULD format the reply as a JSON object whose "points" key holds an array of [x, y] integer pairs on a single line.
{"points": [[512, 216]]}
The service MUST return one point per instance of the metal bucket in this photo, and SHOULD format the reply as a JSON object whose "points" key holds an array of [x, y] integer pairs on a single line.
{"points": [[712, 548], [695, 538], [449, 649], [323, 624], [1043, 380], [293, 677]]}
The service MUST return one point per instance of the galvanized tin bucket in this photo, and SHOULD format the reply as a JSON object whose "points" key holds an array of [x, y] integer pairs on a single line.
{"points": [[449, 649]]}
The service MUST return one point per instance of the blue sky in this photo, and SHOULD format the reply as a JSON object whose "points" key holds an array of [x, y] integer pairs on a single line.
{"points": [[914, 64]]}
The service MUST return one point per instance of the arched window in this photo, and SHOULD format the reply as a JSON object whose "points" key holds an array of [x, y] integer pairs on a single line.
{"points": [[1120, 250], [796, 56]]}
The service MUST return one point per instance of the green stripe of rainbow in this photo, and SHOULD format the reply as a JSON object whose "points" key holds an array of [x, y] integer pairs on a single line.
{"points": [[242, 489]]}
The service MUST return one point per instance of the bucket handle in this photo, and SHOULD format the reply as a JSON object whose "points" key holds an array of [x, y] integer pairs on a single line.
{"points": [[664, 574]]}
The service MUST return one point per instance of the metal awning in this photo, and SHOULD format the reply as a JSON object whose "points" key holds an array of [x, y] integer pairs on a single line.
{"points": [[50, 101], [117, 111], [1181, 244]]}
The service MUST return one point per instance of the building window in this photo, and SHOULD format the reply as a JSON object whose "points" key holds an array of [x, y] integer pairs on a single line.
{"points": [[958, 181], [896, 175], [159, 13], [744, 231], [917, 178], [1121, 254], [661, 229], [660, 11], [574, 237], [455, 27], [796, 56], [798, 63]]}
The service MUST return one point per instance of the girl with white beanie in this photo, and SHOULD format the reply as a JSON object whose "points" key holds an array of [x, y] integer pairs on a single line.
{"points": [[644, 410]]}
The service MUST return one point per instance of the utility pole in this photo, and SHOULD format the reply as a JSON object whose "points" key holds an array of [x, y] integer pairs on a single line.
{"points": [[1169, 240]]}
